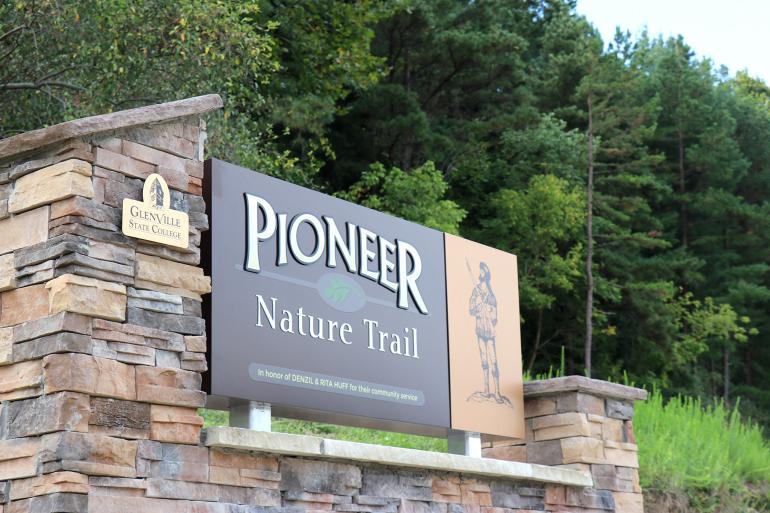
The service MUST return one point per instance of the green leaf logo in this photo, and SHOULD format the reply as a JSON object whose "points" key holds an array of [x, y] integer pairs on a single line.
{"points": [[337, 291]]}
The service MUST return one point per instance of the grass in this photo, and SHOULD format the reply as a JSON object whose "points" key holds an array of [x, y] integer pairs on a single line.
{"points": [[371, 436], [720, 461], [685, 444]]}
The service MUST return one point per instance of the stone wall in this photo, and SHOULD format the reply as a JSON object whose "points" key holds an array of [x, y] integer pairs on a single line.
{"points": [[586, 425], [102, 347]]}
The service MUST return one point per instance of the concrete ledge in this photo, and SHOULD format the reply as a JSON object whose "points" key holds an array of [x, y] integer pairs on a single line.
{"points": [[583, 384], [302, 445], [105, 122]]}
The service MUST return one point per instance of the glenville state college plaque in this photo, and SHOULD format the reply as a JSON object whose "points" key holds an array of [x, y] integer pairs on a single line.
{"points": [[332, 311]]}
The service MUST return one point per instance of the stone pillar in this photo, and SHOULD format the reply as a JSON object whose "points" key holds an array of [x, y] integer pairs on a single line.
{"points": [[582, 424], [102, 340]]}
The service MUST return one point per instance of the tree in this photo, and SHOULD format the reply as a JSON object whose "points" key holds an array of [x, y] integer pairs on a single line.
{"points": [[418, 196]]}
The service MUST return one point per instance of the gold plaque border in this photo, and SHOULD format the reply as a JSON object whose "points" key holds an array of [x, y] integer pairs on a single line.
{"points": [[146, 206]]}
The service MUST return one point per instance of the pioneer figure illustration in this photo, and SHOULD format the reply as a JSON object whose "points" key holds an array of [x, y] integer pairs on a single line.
{"points": [[483, 306]]}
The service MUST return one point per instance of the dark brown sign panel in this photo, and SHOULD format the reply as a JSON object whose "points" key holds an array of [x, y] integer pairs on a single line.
{"points": [[332, 311], [324, 305]]}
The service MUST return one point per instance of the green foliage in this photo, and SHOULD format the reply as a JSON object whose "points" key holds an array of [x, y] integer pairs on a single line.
{"points": [[539, 224], [417, 195], [686, 445]]}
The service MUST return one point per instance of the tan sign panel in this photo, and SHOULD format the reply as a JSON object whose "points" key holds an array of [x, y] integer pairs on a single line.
{"points": [[484, 339], [153, 219]]}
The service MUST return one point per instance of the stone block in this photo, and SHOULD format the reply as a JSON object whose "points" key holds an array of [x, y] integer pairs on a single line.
{"points": [[53, 183], [475, 492], [240, 460], [192, 307], [194, 362], [6, 346], [590, 499], [50, 249], [184, 324], [126, 353], [191, 255], [53, 503], [56, 482], [396, 484], [153, 156], [49, 325], [116, 486], [613, 430], [621, 454], [160, 138], [183, 463], [580, 402], [562, 425], [171, 277], [175, 424], [169, 489], [139, 335], [545, 453], [507, 453], [322, 477], [168, 359], [89, 453], [58, 343], [79, 206], [539, 406], [619, 409], [87, 296], [123, 164], [34, 274], [72, 149], [65, 411], [173, 387], [195, 344], [112, 252], [252, 496], [24, 230], [155, 301], [7, 272], [235, 476], [506, 494], [83, 229], [21, 380], [122, 273], [22, 305], [628, 502], [581, 449], [90, 375], [150, 449], [124, 419], [18, 458]]}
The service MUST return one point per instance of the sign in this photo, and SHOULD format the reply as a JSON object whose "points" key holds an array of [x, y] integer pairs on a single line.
{"points": [[332, 311], [153, 219]]}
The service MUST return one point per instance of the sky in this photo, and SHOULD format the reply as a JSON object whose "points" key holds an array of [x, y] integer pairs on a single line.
{"points": [[735, 33]]}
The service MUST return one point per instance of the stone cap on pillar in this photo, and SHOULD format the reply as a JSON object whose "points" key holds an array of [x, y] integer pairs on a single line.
{"points": [[596, 387], [36, 139]]}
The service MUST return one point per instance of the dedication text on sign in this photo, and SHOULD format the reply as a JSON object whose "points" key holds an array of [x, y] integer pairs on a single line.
{"points": [[323, 306]]}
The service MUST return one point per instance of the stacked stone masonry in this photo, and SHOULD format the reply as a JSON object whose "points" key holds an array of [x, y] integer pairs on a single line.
{"points": [[585, 425], [102, 347]]}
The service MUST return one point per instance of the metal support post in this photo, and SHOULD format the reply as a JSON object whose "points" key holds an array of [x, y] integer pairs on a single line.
{"points": [[466, 443], [251, 415]]}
